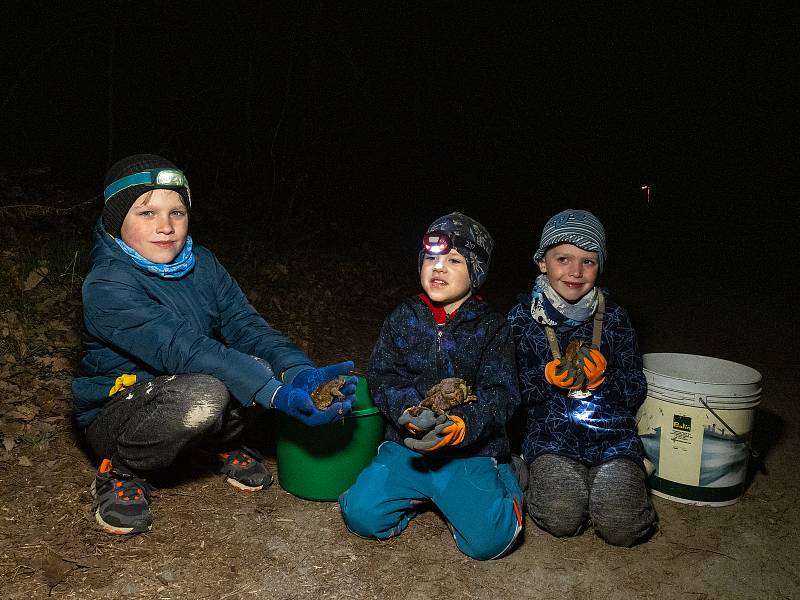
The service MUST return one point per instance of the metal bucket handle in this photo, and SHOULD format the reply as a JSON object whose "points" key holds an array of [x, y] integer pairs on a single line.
{"points": [[739, 438]]}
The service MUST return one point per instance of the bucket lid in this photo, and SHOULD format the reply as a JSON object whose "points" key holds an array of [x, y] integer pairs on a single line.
{"points": [[704, 375]]}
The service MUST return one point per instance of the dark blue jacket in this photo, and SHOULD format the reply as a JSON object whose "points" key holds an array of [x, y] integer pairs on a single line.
{"points": [[138, 323], [413, 353], [594, 430]]}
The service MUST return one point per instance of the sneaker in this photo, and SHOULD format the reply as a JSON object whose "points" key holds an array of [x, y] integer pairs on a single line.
{"points": [[244, 470], [122, 501]]}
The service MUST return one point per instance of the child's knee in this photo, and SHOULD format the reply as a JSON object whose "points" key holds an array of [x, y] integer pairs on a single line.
{"points": [[621, 510], [202, 400], [557, 497], [361, 517], [558, 517]]}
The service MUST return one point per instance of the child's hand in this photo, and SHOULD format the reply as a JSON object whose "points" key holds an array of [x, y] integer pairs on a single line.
{"points": [[424, 422], [298, 404], [449, 431], [555, 373], [594, 366], [310, 379]]}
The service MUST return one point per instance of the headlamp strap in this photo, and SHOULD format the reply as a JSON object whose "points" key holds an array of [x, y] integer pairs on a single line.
{"points": [[467, 244], [148, 178]]}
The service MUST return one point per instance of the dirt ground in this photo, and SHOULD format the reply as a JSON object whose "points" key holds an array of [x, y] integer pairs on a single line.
{"points": [[210, 541]]}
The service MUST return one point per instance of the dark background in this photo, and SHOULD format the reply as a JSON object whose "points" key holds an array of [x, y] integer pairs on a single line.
{"points": [[313, 126]]}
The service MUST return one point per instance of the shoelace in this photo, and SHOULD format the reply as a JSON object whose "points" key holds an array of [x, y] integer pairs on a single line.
{"points": [[242, 456], [129, 487]]}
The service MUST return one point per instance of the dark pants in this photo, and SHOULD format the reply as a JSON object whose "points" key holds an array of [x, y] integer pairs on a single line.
{"points": [[144, 427], [564, 496]]}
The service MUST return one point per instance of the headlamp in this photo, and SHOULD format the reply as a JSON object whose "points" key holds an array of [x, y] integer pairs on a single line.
{"points": [[441, 242], [156, 178]]}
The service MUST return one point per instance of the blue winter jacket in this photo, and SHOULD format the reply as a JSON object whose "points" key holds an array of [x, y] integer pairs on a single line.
{"points": [[593, 430], [413, 353], [138, 323]]}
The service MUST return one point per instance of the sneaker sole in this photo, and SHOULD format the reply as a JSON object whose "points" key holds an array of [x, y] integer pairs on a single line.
{"points": [[108, 528], [244, 488]]}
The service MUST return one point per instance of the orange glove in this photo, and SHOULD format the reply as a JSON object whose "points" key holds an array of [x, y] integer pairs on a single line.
{"points": [[449, 433], [594, 366], [557, 375]]}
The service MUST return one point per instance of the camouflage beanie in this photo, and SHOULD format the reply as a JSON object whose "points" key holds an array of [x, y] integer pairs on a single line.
{"points": [[472, 231]]}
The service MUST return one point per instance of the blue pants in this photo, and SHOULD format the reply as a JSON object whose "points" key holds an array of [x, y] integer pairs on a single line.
{"points": [[480, 499]]}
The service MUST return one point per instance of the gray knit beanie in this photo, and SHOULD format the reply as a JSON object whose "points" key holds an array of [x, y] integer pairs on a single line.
{"points": [[469, 229], [578, 227], [118, 203]]}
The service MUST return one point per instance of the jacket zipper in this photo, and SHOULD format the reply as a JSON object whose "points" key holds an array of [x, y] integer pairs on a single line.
{"points": [[439, 332]]}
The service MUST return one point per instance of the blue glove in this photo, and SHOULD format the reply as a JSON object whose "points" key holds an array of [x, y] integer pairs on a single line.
{"points": [[298, 404], [311, 379], [419, 424]]}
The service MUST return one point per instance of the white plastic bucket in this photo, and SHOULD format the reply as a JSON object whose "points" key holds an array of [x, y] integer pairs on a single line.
{"points": [[695, 424]]}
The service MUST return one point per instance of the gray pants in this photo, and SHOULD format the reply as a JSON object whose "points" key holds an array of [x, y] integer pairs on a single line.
{"points": [[144, 427], [565, 496]]}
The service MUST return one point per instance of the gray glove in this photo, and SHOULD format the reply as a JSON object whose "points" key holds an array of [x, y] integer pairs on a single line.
{"points": [[430, 439], [422, 423]]}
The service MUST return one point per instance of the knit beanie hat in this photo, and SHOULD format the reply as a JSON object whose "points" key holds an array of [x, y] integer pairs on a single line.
{"points": [[118, 202], [578, 227], [469, 229]]}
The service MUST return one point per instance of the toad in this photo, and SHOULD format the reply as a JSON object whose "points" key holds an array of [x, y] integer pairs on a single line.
{"points": [[327, 393], [448, 393], [572, 360]]}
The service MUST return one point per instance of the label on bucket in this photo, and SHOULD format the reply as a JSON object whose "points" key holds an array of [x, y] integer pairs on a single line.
{"points": [[697, 458]]}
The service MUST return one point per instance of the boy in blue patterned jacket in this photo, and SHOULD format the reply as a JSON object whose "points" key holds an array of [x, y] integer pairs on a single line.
{"points": [[586, 460], [459, 460], [174, 355]]}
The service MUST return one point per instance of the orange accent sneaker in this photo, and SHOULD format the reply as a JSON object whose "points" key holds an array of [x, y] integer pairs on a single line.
{"points": [[122, 501], [244, 470]]}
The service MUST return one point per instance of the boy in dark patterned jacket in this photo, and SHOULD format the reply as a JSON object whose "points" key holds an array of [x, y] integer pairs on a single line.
{"points": [[586, 460], [458, 460]]}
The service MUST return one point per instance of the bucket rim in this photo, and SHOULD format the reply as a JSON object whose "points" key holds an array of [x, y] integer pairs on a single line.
{"points": [[753, 375], [364, 412]]}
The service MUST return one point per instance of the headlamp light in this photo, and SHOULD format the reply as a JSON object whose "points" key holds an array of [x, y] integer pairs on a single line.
{"points": [[156, 178], [441, 242]]}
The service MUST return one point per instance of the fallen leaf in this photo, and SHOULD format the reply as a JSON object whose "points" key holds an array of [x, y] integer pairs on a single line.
{"points": [[84, 561], [54, 568], [8, 444], [34, 278], [7, 387], [24, 412], [24, 461], [61, 364]]}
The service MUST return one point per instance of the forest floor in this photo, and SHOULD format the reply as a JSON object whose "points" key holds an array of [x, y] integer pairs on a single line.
{"points": [[211, 541]]}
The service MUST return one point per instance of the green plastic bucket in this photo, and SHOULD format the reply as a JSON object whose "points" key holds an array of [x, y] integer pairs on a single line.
{"points": [[319, 463]]}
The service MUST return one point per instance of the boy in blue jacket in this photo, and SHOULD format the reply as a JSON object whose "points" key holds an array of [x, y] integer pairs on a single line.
{"points": [[586, 460], [459, 460], [173, 353]]}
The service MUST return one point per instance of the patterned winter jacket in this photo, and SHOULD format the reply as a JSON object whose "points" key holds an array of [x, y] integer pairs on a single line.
{"points": [[413, 353], [137, 324], [593, 430]]}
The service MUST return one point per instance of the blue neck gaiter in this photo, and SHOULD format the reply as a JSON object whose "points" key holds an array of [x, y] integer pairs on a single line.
{"points": [[179, 267]]}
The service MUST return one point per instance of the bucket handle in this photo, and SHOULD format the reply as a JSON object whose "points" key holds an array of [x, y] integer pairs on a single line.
{"points": [[739, 438]]}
